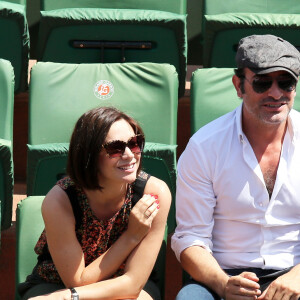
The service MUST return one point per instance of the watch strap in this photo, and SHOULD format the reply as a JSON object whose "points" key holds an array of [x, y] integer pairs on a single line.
{"points": [[74, 294]]}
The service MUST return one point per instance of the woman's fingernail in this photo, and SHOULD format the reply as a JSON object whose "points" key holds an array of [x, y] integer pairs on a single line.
{"points": [[157, 201], [156, 197], [158, 206]]}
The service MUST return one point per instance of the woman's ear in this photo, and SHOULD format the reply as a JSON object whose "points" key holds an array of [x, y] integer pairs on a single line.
{"points": [[238, 85]]}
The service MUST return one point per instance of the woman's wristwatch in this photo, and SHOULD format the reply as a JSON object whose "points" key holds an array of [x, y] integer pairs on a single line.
{"points": [[74, 294]]}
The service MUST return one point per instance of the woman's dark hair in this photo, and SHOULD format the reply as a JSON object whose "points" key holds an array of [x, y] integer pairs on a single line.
{"points": [[86, 143], [241, 75]]}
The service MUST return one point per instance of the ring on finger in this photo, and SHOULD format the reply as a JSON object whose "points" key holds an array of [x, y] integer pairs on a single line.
{"points": [[146, 215]]}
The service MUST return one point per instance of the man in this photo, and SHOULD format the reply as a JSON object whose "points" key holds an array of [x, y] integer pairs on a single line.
{"points": [[238, 189]]}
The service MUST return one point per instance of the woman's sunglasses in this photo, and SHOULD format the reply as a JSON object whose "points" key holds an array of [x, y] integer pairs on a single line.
{"points": [[117, 148], [263, 83]]}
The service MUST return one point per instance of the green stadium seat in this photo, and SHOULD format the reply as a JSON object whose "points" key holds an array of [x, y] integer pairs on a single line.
{"points": [[61, 93], [213, 95], [225, 23], [30, 225], [6, 138], [114, 31], [23, 2], [14, 40], [178, 7]]}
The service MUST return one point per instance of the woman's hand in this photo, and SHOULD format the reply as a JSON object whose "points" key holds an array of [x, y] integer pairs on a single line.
{"points": [[142, 215]]}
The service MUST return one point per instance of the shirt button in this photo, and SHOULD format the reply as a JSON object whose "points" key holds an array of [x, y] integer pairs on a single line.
{"points": [[260, 204]]}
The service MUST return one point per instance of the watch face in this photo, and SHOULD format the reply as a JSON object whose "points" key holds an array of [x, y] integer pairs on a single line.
{"points": [[74, 295]]}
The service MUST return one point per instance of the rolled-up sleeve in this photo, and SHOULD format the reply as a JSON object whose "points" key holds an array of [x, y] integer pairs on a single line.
{"points": [[195, 200]]}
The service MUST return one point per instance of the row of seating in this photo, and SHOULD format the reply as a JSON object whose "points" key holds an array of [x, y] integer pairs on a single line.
{"points": [[224, 23], [97, 31], [60, 93], [139, 31]]}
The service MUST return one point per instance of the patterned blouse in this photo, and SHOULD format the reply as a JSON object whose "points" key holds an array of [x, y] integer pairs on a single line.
{"points": [[95, 236]]}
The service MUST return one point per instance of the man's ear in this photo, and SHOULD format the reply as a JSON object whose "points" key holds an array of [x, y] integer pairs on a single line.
{"points": [[237, 84]]}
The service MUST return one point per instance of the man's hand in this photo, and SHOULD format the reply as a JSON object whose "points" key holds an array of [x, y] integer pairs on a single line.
{"points": [[285, 287], [243, 286]]}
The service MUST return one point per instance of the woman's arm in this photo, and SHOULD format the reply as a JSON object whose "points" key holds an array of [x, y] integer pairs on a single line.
{"points": [[139, 263], [66, 251]]}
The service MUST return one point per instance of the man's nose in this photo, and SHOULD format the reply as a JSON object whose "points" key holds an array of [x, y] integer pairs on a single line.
{"points": [[274, 91]]}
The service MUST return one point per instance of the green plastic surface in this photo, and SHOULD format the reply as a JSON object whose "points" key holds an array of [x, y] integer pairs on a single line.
{"points": [[223, 33], [213, 95], [30, 225], [6, 137], [6, 183], [6, 99], [61, 93], [14, 41], [165, 31], [212, 7], [46, 165], [175, 6], [23, 2]]}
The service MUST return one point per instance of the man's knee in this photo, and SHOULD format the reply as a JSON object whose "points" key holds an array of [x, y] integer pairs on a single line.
{"points": [[195, 290]]}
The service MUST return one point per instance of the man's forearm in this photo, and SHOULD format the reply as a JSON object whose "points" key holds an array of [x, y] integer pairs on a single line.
{"points": [[203, 267]]}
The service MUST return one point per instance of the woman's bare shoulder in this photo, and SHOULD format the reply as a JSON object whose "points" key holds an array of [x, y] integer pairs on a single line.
{"points": [[56, 202], [158, 187]]}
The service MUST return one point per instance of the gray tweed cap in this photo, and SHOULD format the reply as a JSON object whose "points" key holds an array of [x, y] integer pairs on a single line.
{"points": [[264, 54]]}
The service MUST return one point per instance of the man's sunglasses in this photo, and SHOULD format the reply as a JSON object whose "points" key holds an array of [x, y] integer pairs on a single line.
{"points": [[117, 148], [263, 83]]}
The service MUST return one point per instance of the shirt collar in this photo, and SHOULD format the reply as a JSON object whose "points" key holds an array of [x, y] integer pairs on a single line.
{"points": [[292, 127], [238, 123]]}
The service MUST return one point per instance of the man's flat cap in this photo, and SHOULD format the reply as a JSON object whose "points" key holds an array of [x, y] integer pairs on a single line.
{"points": [[264, 54]]}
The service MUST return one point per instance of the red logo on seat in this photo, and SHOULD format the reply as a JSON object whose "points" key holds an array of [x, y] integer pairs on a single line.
{"points": [[103, 89]]}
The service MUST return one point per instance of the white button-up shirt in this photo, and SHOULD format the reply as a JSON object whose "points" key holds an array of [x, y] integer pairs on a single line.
{"points": [[222, 203]]}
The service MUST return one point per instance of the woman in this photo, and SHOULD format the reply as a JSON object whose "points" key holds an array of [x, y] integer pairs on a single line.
{"points": [[100, 241]]}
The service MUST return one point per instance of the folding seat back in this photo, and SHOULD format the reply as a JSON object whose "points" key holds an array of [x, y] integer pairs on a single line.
{"points": [[14, 40], [6, 138], [225, 23], [23, 2], [61, 93], [214, 7], [178, 7], [115, 31], [30, 225], [213, 95]]}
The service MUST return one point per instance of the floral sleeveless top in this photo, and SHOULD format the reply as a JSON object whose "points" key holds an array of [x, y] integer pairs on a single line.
{"points": [[95, 236]]}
